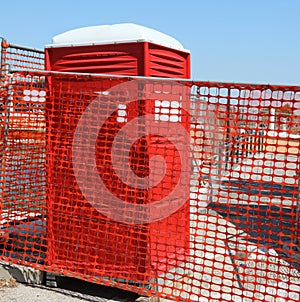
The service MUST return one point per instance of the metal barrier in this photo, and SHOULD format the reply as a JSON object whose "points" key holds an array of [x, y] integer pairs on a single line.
{"points": [[21, 130], [17, 57], [89, 169], [249, 143]]}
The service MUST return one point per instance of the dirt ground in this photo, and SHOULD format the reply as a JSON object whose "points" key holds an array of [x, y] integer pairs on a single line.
{"points": [[72, 291]]}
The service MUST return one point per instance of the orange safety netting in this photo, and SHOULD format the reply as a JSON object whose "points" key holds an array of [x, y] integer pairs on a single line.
{"points": [[178, 189]]}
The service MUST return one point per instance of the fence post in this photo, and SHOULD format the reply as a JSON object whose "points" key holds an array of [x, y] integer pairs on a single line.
{"points": [[261, 139]]}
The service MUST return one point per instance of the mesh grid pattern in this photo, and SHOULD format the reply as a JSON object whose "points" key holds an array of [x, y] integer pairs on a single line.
{"points": [[233, 237], [15, 57]]}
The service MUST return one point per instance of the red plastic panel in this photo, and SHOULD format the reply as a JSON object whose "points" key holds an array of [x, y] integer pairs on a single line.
{"points": [[164, 62], [140, 59]]}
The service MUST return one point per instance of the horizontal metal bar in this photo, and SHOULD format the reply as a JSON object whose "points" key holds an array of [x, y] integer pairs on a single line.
{"points": [[192, 82], [26, 48]]}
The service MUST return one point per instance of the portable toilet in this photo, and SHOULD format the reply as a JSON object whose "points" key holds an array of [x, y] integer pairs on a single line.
{"points": [[82, 240]]}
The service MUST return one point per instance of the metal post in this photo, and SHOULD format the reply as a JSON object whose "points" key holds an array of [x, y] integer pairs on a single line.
{"points": [[3, 100], [2, 71], [228, 151]]}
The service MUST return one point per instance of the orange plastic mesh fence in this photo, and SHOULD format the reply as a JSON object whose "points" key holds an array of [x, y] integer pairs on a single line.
{"points": [[17, 57], [177, 189]]}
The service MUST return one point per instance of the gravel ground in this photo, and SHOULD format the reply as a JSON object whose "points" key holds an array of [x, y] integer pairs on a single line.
{"points": [[73, 291]]}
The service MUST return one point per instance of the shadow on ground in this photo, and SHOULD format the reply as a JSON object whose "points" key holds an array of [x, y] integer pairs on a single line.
{"points": [[70, 285], [268, 226]]}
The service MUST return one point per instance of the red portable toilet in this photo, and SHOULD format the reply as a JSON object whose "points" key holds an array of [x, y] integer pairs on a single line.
{"points": [[82, 240]]}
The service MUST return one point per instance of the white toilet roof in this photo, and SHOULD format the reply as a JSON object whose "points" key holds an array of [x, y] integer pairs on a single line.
{"points": [[117, 33]]}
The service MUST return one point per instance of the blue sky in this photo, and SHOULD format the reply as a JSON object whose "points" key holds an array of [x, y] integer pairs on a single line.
{"points": [[256, 41]]}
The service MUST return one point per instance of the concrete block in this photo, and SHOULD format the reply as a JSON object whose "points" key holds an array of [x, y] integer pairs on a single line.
{"points": [[4, 273], [23, 274]]}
